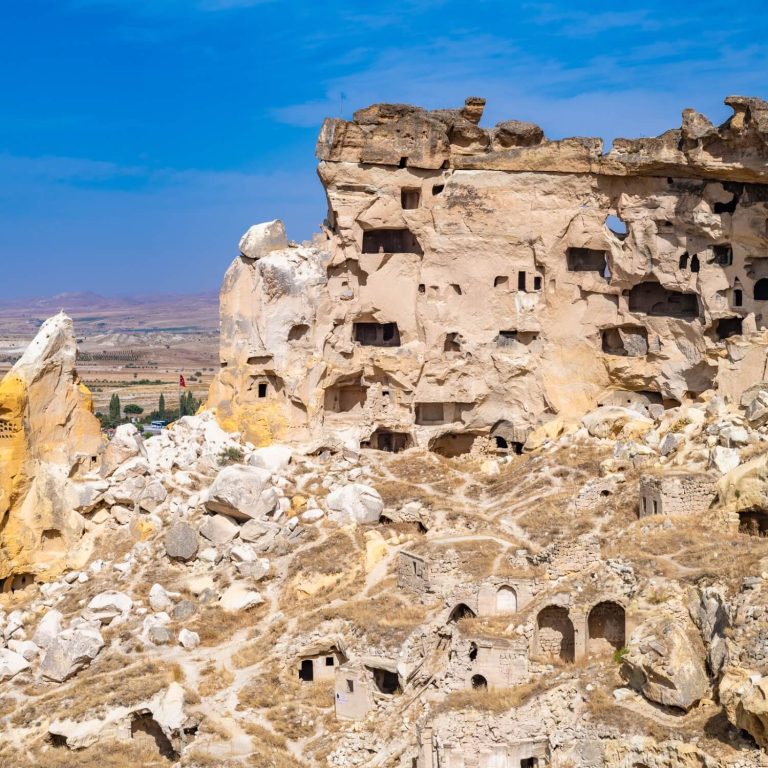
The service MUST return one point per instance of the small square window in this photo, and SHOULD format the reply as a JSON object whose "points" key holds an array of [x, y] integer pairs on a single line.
{"points": [[350, 686], [329, 661]]}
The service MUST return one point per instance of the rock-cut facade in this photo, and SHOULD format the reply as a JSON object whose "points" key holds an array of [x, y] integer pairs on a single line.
{"points": [[475, 281]]}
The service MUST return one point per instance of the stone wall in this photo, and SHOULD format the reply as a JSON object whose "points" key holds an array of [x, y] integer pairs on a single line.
{"points": [[676, 493]]}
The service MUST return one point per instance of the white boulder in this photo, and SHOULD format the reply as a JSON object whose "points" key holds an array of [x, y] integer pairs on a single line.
{"points": [[242, 492], [355, 503]]}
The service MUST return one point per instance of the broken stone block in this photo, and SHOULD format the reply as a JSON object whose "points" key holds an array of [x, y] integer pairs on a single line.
{"points": [[181, 542]]}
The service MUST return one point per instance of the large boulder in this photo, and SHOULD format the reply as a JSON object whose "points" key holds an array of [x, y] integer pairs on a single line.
{"points": [[71, 651], [271, 457], [242, 492], [262, 239], [744, 696], [710, 614], [664, 665], [219, 529], [126, 444], [11, 664], [48, 628], [355, 503], [181, 542], [106, 606], [237, 597]]}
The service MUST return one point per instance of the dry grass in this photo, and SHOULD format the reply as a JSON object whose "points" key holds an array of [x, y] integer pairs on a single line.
{"points": [[292, 707], [214, 679], [95, 690], [269, 748], [385, 618], [212, 623], [330, 555], [108, 754], [490, 699]]}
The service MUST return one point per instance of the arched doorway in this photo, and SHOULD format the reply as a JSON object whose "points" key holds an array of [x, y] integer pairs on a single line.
{"points": [[478, 681], [556, 636], [607, 627], [461, 611], [506, 600]]}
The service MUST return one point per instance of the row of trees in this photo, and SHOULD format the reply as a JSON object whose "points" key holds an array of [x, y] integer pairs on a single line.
{"points": [[116, 415]]}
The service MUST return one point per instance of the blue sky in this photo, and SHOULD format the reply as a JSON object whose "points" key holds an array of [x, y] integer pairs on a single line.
{"points": [[140, 138]]}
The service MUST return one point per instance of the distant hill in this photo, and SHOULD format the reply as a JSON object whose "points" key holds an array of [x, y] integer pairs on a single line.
{"points": [[93, 313]]}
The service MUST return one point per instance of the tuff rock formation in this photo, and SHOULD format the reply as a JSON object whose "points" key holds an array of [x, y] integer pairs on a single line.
{"points": [[49, 437], [484, 282]]}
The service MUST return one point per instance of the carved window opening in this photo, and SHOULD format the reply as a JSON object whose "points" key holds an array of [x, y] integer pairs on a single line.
{"points": [[728, 207], [723, 255], [298, 332], [451, 343], [586, 260], [410, 199], [437, 189], [652, 298], [500, 281], [753, 522], [521, 282], [377, 334], [387, 440], [617, 226], [761, 289], [391, 241], [683, 263], [695, 264], [386, 682], [625, 341], [479, 682], [430, 413], [262, 389], [422, 288], [472, 651], [456, 289], [726, 327], [537, 283]]}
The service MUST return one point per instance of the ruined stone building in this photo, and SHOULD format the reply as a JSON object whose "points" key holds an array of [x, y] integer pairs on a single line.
{"points": [[677, 492], [479, 281]]}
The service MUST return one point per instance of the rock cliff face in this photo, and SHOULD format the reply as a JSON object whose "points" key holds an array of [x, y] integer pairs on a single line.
{"points": [[48, 434], [481, 281]]}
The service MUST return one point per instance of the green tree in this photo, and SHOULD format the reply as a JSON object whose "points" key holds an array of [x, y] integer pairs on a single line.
{"points": [[114, 408], [161, 406], [133, 408]]}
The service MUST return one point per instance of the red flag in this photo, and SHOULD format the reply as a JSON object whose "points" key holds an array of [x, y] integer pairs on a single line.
{"points": [[182, 383]]}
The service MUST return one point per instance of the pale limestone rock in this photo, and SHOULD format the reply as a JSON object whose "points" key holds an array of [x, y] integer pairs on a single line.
{"points": [[744, 696], [219, 529], [275, 458], [25, 648], [48, 628], [106, 606], [237, 597], [355, 503], [69, 652], [11, 664], [189, 640], [49, 440], [159, 599], [261, 239], [242, 493], [724, 459], [126, 444], [664, 665]]}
